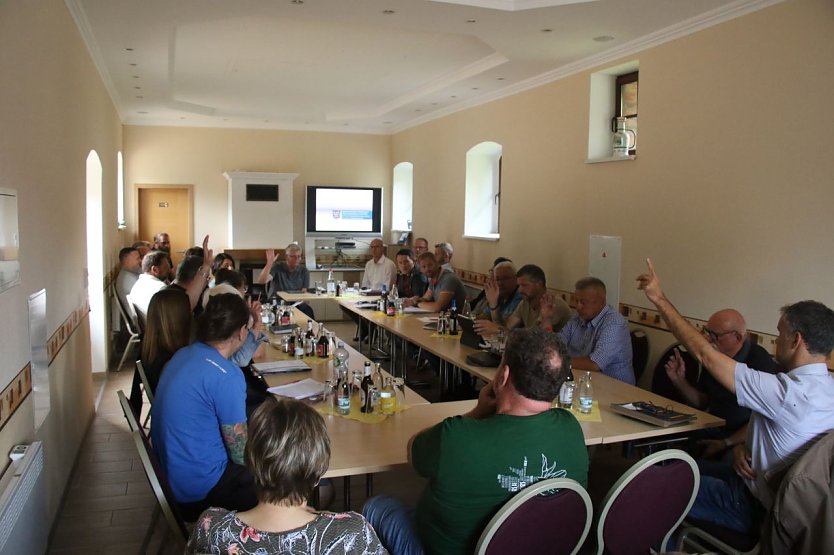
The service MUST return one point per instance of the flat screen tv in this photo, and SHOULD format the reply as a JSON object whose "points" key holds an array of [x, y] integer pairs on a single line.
{"points": [[350, 211]]}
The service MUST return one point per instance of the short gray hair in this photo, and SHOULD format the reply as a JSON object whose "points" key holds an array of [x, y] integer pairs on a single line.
{"points": [[292, 247], [447, 247], [590, 282]]}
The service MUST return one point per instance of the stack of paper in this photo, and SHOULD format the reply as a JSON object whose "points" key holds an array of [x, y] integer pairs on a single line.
{"points": [[303, 389], [278, 366]]}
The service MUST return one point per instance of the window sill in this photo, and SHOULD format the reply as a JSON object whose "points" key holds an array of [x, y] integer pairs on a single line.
{"points": [[490, 237], [611, 159]]}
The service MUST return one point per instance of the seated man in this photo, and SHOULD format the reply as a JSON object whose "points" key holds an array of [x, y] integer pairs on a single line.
{"points": [[421, 245], [443, 252], [410, 281], [501, 294], [289, 276], [131, 267], [727, 331], [192, 277], [789, 411], [476, 462], [379, 270], [155, 268], [162, 242], [198, 422], [144, 247], [444, 287], [597, 336], [532, 285]]}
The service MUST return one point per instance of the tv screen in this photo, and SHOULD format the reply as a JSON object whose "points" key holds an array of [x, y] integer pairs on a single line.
{"points": [[344, 210]]}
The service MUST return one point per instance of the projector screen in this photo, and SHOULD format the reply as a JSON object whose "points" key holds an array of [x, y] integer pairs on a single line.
{"points": [[344, 210]]}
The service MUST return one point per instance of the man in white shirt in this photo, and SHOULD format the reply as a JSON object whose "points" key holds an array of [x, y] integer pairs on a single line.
{"points": [[379, 270], [155, 267], [789, 411]]}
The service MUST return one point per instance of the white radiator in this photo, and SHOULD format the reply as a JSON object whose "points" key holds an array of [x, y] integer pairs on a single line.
{"points": [[23, 526]]}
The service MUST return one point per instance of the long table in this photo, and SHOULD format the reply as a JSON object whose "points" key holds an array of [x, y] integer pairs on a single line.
{"points": [[361, 448]]}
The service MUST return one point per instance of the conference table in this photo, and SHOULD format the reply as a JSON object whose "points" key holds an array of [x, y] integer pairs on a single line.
{"points": [[365, 448]]}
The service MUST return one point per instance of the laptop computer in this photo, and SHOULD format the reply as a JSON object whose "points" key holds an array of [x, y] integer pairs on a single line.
{"points": [[468, 336]]}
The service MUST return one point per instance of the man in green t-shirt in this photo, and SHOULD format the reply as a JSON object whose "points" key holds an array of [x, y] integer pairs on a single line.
{"points": [[476, 462]]}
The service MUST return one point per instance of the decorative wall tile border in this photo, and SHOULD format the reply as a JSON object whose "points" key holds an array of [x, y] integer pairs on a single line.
{"points": [[14, 394], [55, 343]]}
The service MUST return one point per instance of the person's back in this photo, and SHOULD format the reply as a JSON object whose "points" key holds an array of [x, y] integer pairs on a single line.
{"points": [[483, 464]]}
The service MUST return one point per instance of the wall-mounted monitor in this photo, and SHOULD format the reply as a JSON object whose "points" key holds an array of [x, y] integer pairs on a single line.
{"points": [[352, 211]]}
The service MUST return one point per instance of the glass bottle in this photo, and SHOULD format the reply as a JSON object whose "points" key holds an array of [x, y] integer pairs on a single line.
{"points": [[342, 356], [566, 391], [331, 285], [586, 394], [367, 383], [343, 393], [453, 318], [267, 316], [388, 398], [467, 309]]}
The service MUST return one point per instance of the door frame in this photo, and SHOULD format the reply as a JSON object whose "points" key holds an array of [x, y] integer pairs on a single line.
{"points": [[190, 192]]}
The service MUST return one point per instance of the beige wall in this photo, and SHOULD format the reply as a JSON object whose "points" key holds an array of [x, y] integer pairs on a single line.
{"points": [[731, 193], [53, 111], [200, 156]]}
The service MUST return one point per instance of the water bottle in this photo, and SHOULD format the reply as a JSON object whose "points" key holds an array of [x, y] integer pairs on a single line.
{"points": [[342, 356], [343, 393], [586, 394], [467, 309], [331, 285], [267, 316]]}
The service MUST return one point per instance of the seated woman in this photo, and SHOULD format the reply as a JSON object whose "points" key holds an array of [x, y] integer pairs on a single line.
{"points": [[221, 261], [287, 451], [198, 420], [230, 281], [168, 328]]}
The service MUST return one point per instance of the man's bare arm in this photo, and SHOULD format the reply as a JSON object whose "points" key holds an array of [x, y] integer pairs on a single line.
{"points": [[234, 437], [719, 365]]}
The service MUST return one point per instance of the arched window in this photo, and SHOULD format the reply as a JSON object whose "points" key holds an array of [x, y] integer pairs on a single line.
{"points": [[401, 197], [483, 190]]}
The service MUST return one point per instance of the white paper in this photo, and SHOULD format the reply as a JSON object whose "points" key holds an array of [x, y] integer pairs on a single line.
{"points": [[417, 310], [299, 390]]}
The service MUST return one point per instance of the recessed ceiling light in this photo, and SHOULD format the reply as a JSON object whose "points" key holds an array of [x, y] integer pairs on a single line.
{"points": [[603, 38], [138, 88], [141, 112], [499, 78], [387, 122], [388, 12], [296, 2], [133, 64], [136, 77], [547, 30], [453, 96], [129, 49], [472, 21], [474, 88], [139, 96]]}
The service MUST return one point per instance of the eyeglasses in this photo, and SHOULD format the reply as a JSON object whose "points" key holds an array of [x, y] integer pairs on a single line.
{"points": [[714, 335]]}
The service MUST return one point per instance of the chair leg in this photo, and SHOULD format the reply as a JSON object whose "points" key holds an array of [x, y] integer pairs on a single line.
{"points": [[128, 349], [143, 549]]}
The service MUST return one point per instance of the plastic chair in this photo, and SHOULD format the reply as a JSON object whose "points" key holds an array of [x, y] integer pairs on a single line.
{"points": [[534, 523], [132, 328], [639, 352], [648, 502], [706, 536], [166, 505]]}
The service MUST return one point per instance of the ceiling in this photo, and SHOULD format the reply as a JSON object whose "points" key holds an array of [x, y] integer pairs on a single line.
{"points": [[361, 66]]}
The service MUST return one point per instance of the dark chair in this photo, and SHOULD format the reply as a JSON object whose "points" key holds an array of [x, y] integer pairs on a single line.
{"points": [[642, 510], [662, 385], [639, 352], [708, 537], [532, 522], [166, 505]]}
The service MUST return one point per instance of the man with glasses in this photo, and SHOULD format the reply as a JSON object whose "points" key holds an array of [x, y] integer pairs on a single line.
{"points": [[501, 294], [421, 245], [726, 330], [379, 270], [289, 275]]}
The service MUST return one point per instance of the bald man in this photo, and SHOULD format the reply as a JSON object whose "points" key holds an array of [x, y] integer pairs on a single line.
{"points": [[727, 331]]}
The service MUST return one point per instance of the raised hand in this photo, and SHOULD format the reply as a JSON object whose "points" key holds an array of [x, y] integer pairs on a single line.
{"points": [[491, 291], [675, 367], [650, 283], [270, 257]]}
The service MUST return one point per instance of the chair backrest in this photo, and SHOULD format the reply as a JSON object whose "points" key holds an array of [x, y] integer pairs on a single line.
{"points": [[647, 503], [140, 368], [140, 316], [132, 417], [128, 316], [160, 487], [639, 352], [534, 523], [662, 385]]}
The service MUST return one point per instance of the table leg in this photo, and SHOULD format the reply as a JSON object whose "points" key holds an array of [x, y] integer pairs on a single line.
{"points": [[346, 492], [369, 485]]}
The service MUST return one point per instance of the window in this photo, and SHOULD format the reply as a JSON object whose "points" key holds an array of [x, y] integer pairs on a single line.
{"points": [[483, 191], [401, 198], [625, 102], [120, 192]]}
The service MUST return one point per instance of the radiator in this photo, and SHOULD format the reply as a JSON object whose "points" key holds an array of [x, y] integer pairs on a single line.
{"points": [[23, 525]]}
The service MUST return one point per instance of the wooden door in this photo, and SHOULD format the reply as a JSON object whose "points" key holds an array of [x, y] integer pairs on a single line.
{"points": [[166, 209]]}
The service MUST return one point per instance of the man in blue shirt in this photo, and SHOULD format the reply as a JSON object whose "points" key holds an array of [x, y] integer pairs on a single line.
{"points": [[597, 336]]}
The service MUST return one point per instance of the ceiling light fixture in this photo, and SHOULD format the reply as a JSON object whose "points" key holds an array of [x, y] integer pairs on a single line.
{"points": [[603, 38], [472, 21], [388, 12], [141, 112], [129, 49], [474, 88], [500, 78], [297, 2], [547, 30]]}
